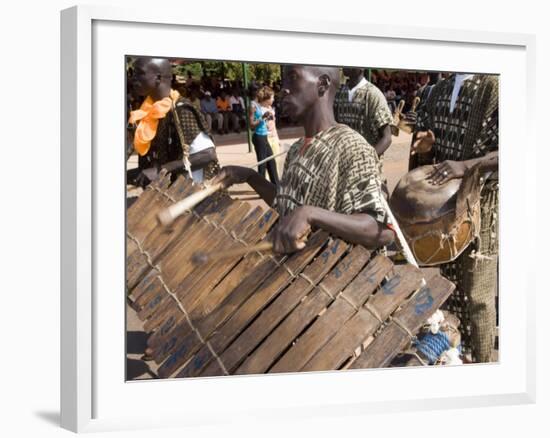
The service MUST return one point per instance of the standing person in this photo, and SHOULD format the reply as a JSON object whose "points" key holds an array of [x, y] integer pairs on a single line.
{"points": [[458, 128], [363, 107], [330, 180], [272, 134], [167, 128], [258, 121]]}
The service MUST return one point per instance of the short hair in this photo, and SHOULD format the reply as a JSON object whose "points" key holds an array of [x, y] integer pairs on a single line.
{"points": [[162, 65], [264, 93]]}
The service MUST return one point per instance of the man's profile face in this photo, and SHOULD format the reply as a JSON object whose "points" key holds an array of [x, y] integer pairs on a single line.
{"points": [[145, 77], [300, 85]]}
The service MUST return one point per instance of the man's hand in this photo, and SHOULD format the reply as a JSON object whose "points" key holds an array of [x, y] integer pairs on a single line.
{"points": [[291, 231], [230, 175], [446, 171], [424, 142]]}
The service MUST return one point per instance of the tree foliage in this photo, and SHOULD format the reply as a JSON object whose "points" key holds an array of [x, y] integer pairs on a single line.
{"points": [[232, 71]]}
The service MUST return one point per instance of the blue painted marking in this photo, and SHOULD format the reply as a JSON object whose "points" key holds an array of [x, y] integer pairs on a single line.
{"points": [[167, 325], [337, 273], [175, 356], [389, 287], [198, 362], [169, 345], [423, 301], [372, 277], [153, 303], [150, 287], [335, 247], [265, 219], [325, 256]]}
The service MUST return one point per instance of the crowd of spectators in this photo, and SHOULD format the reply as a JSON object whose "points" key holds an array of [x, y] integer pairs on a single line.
{"points": [[223, 102], [400, 85]]}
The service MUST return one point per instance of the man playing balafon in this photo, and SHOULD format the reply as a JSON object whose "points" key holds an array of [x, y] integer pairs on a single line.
{"points": [[330, 180]]}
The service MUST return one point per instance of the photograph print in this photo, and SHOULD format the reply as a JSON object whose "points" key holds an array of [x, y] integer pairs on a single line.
{"points": [[287, 218]]}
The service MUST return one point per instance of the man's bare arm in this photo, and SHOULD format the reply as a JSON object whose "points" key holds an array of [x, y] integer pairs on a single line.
{"points": [[359, 228], [201, 159], [230, 175], [385, 140]]}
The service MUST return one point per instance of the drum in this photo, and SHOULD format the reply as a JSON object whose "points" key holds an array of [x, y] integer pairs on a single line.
{"points": [[317, 309], [438, 221]]}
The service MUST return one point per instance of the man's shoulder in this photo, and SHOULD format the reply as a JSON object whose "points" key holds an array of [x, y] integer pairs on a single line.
{"points": [[342, 136], [369, 91]]}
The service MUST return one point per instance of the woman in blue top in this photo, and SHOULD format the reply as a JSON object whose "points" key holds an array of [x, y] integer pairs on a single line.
{"points": [[258, 121]]}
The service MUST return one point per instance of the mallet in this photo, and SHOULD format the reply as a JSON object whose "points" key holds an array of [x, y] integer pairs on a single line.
{"points": [[167, 216], [201, 257]]}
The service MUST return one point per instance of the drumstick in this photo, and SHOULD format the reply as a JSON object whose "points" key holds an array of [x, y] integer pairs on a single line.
{"points": [[170, 214], [167, 216], [201, 257], [401, 238], [265, 160]]}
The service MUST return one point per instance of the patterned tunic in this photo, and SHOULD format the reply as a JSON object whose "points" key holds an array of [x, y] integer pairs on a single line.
{"points": [[367, 113], [471, 130], [338, 172]]}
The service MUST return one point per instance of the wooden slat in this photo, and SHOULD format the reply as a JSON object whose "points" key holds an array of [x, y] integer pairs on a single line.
{"points": [[141, 207], [412, 315], [215, 297], [272, 286], [167, 311], [160, 240], [355, 294], [140, 224], [305, 312], [246, 285], [282, 305], [191, 290], [183, 235], [175, 265], [364, 323]]}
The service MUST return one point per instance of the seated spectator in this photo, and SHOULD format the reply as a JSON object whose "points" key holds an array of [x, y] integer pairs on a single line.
{"points": [[224, 108], [210, 111], [237, 108]]}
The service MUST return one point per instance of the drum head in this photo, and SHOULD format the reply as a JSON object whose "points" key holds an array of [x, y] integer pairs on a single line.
{"points": [[416, 200]]}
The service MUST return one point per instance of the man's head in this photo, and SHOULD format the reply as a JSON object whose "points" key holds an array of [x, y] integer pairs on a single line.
{"points": [[152, 77], [305, 87], [354, 74], [207, 95]]}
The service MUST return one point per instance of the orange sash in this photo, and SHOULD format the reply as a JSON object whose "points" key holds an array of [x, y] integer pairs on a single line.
{"points": [[148, 116]]}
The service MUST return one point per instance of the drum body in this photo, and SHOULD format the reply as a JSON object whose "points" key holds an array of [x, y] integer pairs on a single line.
{"points": [[438, 221]]}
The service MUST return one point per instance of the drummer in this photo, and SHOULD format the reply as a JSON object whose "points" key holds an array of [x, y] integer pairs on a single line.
{"points": [[157, 132], [331, 178], [457, 128]]}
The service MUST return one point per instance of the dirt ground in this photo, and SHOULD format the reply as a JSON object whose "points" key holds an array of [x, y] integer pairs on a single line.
{"points": [[233, 149]]}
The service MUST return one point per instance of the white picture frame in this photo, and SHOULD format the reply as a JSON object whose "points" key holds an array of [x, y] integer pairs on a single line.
{"points": [[93, 398]]}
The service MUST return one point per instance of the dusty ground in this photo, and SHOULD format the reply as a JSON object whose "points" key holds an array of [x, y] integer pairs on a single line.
{"points": [[233, 149]]}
